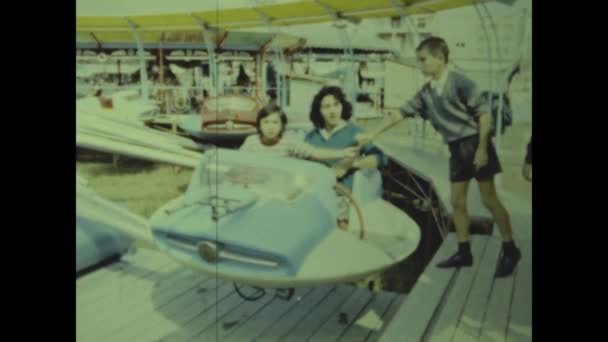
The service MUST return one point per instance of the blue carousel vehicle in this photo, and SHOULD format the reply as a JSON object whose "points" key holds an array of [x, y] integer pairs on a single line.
{"points": [[271, 222]]}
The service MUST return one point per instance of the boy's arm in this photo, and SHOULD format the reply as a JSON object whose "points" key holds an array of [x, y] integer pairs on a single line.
{"points": [[367, 162], [329, 154], [485, 128], [481, 155], [409, 109], [305, 150], [387, 123], [478, 108]]}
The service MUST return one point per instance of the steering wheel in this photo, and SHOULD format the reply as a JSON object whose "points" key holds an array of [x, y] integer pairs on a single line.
{"points": [[344, 190]]}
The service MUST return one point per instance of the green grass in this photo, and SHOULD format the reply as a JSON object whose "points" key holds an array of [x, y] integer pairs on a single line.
{"points": [[142, 187]]}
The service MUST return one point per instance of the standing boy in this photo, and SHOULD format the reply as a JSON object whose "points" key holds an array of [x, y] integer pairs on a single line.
{"points": [[452, 103]]}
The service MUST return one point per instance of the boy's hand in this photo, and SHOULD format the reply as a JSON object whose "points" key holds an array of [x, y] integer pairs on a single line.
{"points": [[350, 152], [363, 138], [481, 158]]}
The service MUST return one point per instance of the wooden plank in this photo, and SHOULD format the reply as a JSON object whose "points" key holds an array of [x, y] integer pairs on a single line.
{"points": [[115, 316], [189, 319], [326, 310], [122, 292], [293, 317], [91, 318], [469, 326], [126, 318], [520, 320], [412, 318], [109, 280], [174, 314], [230, 320], [444, 327], [113, 284], [333, 327], [495, 324], [378, 305], [268, 316], [387, 317], [206, 318], [140, 264], [108, 315]]}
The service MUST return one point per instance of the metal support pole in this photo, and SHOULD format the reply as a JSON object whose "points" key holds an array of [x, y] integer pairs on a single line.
{"points": [[143, 72], [281, 79], [414, 44], [349, 82], [281, 84], [211, 54], [502, 83], [416, 35], [489, 50]]}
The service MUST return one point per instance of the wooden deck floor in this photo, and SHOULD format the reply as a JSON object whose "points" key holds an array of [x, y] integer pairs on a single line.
{"points": [[468, 304], [148, 297]]}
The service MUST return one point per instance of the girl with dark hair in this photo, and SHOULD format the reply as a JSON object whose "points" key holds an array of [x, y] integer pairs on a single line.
{"points": [[330, 113]]}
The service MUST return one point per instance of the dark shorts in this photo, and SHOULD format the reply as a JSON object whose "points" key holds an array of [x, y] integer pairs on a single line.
{"points": [[462, 154]]}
